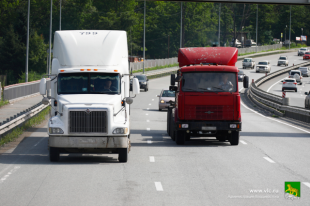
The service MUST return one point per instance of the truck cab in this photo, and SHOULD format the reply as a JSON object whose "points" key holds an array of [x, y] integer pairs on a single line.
{"points": [[207, 101], [89, 95]]}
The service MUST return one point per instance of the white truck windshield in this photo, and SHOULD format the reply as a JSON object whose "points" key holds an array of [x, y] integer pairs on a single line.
{"points": [[88, 83], [209, 82]]}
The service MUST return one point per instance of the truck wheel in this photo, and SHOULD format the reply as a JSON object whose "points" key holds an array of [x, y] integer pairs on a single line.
{"points": [[295, 90], [180, 137], [54, 154], [234, 138], [123, 154]]}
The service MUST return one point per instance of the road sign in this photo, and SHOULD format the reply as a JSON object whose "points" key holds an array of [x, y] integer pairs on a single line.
{"points": [[281, 35]]}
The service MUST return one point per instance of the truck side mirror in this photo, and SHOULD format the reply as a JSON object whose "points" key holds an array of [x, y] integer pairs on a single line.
{"points": [[172, 80], [128, 100], [43, 86], [246, 82], [135, 86], [306, 93], [45, 101]]}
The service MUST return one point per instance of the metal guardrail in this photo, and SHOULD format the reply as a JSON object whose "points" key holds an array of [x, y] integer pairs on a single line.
{"points": [[16, 91], [275, 101]]}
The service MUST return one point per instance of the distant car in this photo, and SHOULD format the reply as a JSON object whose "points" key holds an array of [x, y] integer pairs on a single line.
{"points": [[283, 60], [305, 71], [248, 62], [164, 99], [302, 51], [306, 56], [250, 43], [263, 66], [237, 43], [307, 100], [143, 82], [241, 76], [289, 84], [296, 74]]}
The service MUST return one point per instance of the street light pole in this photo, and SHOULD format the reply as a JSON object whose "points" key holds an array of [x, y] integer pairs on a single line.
{"points": [[27, 51], [219, 25], [60, 16], [144, 37], [50, 43], [256, 28], [289, 44], [181, 26]]}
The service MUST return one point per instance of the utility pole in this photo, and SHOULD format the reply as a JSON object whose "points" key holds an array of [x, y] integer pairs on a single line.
{"points": [[50, 43], [289, 44], [181, 25], [60, 16], [144, 36], [27, 51], [256, 28], [219, 44]]}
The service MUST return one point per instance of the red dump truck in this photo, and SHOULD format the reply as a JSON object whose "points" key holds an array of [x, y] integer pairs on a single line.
{"points": [[207, 100]]}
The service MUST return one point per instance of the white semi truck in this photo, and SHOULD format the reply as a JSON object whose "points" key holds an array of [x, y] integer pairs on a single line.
{"points": [[89, 94]]}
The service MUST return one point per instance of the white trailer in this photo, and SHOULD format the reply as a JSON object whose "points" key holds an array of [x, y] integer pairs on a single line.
{"points": [[89, 94]]}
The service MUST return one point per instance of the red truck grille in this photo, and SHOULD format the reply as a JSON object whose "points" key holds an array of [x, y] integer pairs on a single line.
{"points": [[209, 112]]}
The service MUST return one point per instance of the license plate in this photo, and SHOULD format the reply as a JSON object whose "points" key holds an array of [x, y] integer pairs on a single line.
{"points": [[208, 128]]}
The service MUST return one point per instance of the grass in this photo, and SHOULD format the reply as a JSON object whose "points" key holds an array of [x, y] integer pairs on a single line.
{"points": [[14, 134], [275, 116], [3, 102], [157, 67]]}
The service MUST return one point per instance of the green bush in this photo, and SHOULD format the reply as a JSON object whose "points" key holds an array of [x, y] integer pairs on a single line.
{"points": [[32, 76]]}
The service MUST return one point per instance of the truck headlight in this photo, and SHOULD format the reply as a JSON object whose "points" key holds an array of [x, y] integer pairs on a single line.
{"points": [[55, 130], [234, 126], [120, 130], [162, 101], [184, 125]]}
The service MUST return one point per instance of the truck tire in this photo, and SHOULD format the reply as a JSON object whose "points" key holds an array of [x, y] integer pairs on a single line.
{"points": [[234, 138], [180, 137], [123, 154], [54, 154]]}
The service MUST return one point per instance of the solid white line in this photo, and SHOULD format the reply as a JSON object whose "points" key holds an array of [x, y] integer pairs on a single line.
{"points": [[148, 129], [150, 104], [243, 142], [274, 84], [269, 160], [147, 108], [147, 120], [152, 159], [240, 89], [275, 119], [9, 173], [149, 141], [158, 186], [307, 184]]}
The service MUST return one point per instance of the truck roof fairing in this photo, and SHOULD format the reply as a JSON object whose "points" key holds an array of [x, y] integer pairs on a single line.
{"points": [[97, 48], [213, 55]]}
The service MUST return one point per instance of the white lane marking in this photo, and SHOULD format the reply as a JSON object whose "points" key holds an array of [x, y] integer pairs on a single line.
{"points": [[307, 184], [275, 119], [149, 141], [9, 173], [158, 186], [148, 129], [240, 89], [150, 104], [152, 159], [147, 108], [146, 114], [243, 142], [147, 120], [152, 99], [274, 84], [269, 160]]}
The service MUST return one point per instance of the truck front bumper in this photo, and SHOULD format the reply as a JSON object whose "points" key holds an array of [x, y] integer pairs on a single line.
{"points": [[88, 142], [210, 126]]}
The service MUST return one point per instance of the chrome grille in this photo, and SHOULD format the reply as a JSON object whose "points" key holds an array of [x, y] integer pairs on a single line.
{"points": [[94, 122]]}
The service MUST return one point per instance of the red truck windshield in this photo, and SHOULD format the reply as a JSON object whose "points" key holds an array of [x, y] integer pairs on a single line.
{"points": [[209, 82]]}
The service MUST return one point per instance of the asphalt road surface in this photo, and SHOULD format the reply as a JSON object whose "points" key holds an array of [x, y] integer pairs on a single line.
{"points": [[204, 171]]}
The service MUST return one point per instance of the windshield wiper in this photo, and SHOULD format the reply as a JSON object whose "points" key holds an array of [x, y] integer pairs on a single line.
{"points": [[207, 90]]}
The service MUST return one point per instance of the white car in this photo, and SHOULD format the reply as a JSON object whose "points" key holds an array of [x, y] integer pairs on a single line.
{"points": [[283, 60], [289, 84], [302, 51], [296, 74], [263, 66], [248, 62]]}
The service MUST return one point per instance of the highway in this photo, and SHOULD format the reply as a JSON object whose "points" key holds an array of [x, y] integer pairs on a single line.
{"points": [[159, 172]]}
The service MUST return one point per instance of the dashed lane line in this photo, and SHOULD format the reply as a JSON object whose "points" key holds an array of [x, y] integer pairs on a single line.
{"points": [[147, 120], [269, 160], [9, 173], [150, 104], [152, 159], [152, 99], [148, 129], [158, 186], [243, 142], [274, 84], [307, 184], [149, 141]]}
